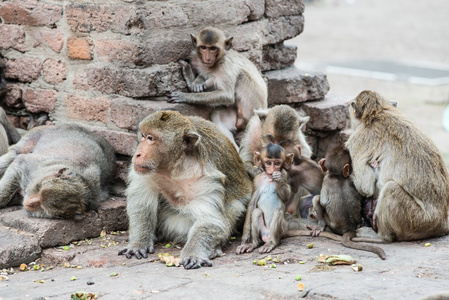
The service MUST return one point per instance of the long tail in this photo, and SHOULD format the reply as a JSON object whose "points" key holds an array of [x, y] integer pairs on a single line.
{"points": [[299, 232], [346, 241]]}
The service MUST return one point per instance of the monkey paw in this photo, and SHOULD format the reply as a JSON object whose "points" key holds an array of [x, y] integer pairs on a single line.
{"points": [[267, 247], [277, 176], [244, 248], [183, 63], [315, 230], [137, 252], [176, 97], [195, 262]]}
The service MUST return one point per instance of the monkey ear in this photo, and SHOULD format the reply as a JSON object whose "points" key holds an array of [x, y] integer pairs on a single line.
{"points": [[268, 138], [262, 114], [346, 170], [303, 121], [288, 161], [191, 139], [299, 149], [257, 160], [357, 112], [194, 40], [32, 203], [322, 162], [228, 43]]}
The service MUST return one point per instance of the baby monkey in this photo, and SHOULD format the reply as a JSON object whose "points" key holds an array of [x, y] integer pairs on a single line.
{"points": [[265, 215]]}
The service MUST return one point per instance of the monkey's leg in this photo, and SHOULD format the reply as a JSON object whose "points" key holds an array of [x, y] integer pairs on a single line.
{"points": [[318, 214], [225, 119], [275, 231], [142, 205], [246, 246]]}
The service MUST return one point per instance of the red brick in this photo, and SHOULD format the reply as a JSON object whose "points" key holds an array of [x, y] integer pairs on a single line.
{"points": [[32, 13], [54, 71], [116, 50], [54, 39], [12, 36], [88, 109], [23, 69], [123, 142], [79, 48], [13, 97], [39, 100]]}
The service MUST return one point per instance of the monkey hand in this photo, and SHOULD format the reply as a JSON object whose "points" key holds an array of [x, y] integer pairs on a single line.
{"points": [[277, 176], [184, 64], [198, 87], [177, 97], [193, 262], [315, 230], [139, 252], [247, 247]]}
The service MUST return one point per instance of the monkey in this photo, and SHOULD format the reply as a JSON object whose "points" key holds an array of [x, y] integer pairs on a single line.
{"points": [[339, 205], [62, 171], [280, 123], [8, 133], [265, 215], [186, 184], [2, 78], [225, 79], [397, 164]]}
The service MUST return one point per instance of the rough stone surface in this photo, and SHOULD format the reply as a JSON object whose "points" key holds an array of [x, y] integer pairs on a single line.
{"points": [[39, 100], [123, 142], [328, 114], [13, 36], [276, 8], [54, 71], [292, 86], [278, 56], [23, 69], [88, 109], [79, 48], [13, 97], [31, 12], [17, 247], [54, 39]]}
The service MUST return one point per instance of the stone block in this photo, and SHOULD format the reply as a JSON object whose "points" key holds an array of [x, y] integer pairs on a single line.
{"points": [[54, 39], [277, 8], [127, 113], [99, 17], [158, 80], [112, 214], [283, 28], [88, 109], [13, 97], [123, 142], [79, 48], [39, 100], [54, 71], [328, 114], [30, 12], [23, 69], [278, 56], [17, 247], [13, 36], [256, 8], [291, 85]]}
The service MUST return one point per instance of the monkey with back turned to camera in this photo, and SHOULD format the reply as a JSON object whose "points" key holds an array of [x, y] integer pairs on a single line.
{"points": [[339, 205], [223, 78], [265, 215], [409, 179], [61, 171], [186, 184]]}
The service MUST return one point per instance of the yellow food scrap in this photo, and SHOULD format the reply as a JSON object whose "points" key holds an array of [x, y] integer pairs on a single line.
{"points": [[169, 260], [301, 286]]}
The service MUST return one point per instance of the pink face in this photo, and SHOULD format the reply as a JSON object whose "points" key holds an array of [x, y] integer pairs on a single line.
{"points": [[272, 164]]}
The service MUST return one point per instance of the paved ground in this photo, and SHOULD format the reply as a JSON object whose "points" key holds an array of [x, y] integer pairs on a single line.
{"points": [[335, 30]]}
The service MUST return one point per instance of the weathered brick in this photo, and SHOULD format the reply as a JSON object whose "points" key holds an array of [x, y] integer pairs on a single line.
{"points": [[54, 232], [39, 100], [164, 50], [278, 56], [54, 71], [127, 113], [17, 248], [31, 12], [116, 50], [291, 85], [79, 48], [54, 39], [112, 214], [328, 114], [123, 142], [158, 80], [283, 28], [13, 97], [277, 8], [93, 17], [23, 69], [256, 8], [88, 109], [12, 36]]}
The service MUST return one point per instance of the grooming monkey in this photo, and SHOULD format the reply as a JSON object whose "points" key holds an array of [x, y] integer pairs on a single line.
{"points": [[61, 171], [221, 77], [265, 215], [186, 184], [409, 179], [339, 206]]}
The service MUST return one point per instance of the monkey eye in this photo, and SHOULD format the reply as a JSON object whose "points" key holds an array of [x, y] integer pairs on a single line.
{"points": [[203, 47], [213, 48], [268, 163], [148, 137], [277, 163]]}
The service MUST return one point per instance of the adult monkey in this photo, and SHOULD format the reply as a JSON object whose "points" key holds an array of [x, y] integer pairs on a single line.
{"points": [[187, 184], [224, 79], [396, 163]]}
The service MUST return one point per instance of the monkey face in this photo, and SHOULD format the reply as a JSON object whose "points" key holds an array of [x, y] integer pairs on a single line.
{"points": [[209, 54], [272, 164]]}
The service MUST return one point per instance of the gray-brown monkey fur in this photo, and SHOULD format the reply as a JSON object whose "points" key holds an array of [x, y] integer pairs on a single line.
{"points": [[62, 171], [8, 133], [186, 184], [233, 84], [410, 181], [266, 209], [339, 205], [280, 123]]}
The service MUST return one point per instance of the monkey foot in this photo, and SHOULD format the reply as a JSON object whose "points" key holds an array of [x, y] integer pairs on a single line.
{"points": [[195, 263]]}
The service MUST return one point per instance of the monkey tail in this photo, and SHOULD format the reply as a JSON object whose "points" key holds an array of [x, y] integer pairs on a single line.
{"points": [[347, 242], [329, 235]]}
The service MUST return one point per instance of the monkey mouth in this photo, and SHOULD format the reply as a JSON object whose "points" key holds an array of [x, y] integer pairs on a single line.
{"points": [[142, 169]]}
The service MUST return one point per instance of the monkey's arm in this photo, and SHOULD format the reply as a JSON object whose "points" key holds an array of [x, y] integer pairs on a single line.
{"points": [[141, 207], [252, 141], [282, 187], [10, 183], [318, 214], [213, 98]]}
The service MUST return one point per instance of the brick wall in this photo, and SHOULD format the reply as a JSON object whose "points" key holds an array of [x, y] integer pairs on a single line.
{"points": [[109, 64]]}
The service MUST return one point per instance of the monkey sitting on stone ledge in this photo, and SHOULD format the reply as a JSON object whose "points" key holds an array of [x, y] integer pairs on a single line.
{"points": [[61, 171]]}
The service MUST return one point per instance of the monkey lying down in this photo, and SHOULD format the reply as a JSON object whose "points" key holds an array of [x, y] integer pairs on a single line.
{"points": [[61, 171]]}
